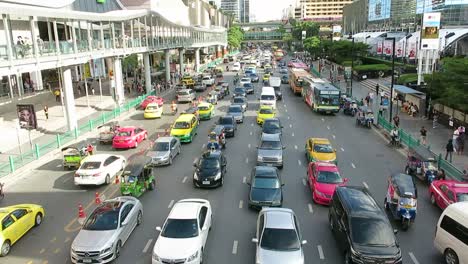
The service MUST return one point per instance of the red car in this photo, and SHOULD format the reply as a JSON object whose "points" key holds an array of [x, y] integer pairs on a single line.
{"points": [[446, 192], [323, 178], [129, 137], [152, 99]]}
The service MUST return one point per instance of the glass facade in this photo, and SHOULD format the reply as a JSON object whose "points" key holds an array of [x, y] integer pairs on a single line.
{"points": [[95, 6]]}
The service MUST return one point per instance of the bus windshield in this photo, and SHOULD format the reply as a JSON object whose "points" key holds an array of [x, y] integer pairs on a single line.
{"points": [[329, 99]]}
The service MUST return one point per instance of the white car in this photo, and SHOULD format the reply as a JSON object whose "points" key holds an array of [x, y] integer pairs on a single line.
{"points": [[236, 67], [184, 234], [208, 80], [99, 169], [245, 80]]}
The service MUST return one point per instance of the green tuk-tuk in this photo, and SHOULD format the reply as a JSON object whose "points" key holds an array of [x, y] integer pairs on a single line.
{"points": [[72, 156], [137, 177]]}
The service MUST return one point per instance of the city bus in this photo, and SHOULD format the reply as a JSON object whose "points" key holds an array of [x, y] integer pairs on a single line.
{"points": [[321, 97], [299, 65], [279, 54], [296, 79], [313, 81]]}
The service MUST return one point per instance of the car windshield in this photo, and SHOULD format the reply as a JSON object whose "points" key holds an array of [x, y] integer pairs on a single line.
{"points": [[183, 92], [209, 163], [248, 85], [225, 121], [323, 148], [266, 183], [206, 78], [152, 107], [271, 125], [90, 165], [180, 228], [371, 232], [271, 145], [266, 111], [253, 75], [239, 90], [234, 109], [267, 97], [329, 177], [103, 218], [161, 146], [280, 239], [245, 80], [462, 197], [124, 133], [181, 125], [239, 100], [203, 108]]}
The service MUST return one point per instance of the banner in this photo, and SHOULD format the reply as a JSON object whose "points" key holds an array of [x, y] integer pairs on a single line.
{"points": [[399, 49], [26, 116], [412, 50], [430, 31], [379, 47], [379, 9], [87, 71], [387, 47], [336, 33]]}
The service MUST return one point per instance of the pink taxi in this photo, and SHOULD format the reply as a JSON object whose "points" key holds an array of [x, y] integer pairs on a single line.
{"points": [[152, 99], [129, 137], [323, 178], [446, 192]]}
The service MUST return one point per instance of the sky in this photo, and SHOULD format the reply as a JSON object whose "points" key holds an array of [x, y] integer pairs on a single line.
{"points": [[265, 10]]}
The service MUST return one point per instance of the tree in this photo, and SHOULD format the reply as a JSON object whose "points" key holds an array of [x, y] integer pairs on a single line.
{"points": [[288, 39], [342, 50], [311, 29], [312, 45], [235, 37]]}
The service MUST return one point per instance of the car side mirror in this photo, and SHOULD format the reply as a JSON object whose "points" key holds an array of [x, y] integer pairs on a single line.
{"points": [[255, 240], [303, 242], [158, 228], [395, 231]]}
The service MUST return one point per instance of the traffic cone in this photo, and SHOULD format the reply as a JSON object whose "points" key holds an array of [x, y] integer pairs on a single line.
{"points": [[81, 213], [97, 198]]}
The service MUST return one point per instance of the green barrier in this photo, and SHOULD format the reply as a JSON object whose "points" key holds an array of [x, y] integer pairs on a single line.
{"points": [[450, 170]]}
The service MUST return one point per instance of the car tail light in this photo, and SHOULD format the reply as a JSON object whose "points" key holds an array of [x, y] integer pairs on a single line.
{"points": [[77, 175], [96, 174]]}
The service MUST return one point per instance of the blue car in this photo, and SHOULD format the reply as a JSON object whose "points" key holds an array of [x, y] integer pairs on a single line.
{"points": [[254, 77], [249, 88]]}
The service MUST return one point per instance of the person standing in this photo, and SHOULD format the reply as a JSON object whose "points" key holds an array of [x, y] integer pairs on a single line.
{"points": [[435, 117], [456, 133], [423, 132], [46, 112], [57, 95], [460, 143], [449, 150], [396, 120]]}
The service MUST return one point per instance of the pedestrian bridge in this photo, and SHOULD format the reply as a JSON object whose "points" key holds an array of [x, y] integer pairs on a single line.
{"points": [[263, 36]]}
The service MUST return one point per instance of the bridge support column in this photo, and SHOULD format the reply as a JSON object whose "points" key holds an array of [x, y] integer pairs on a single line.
{"points": [[146, 62], [197, 59], [167, 62], [181, 61], [69, 99], [218, 51], [118, 81]]}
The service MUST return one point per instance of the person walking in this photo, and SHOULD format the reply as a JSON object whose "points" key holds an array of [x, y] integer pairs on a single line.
{"points": [[460, 143], [57, 95], [449, 150], [423, 132], [46, 112], [435, 118], [396, 120]]}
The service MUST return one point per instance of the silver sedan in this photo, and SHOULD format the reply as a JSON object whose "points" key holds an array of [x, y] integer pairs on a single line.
{"points": [[164, 150]]}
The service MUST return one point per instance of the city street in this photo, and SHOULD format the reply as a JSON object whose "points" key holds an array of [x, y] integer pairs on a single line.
{"points": [[363, 157]]}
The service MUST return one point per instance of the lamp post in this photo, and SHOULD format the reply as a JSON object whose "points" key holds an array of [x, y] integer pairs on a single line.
{"points": [[352, 66], [393, 78]]}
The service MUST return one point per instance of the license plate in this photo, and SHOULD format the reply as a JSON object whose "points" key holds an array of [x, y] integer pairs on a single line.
{"points": [[328, 112], [121, 141], [269, 165], [87, 261], [206, 182]]}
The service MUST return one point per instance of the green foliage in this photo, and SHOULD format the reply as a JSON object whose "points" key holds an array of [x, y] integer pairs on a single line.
{"points": [[404, 79], [372, 68], [235, 37], [371, 60], [339, 51], [130, 62], [311, 29], [312, 44], [288, 39], [450, 86]]}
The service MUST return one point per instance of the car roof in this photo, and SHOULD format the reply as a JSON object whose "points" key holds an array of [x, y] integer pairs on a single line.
{"points": [[97, 157], [326, 166], [265, 169], [204, 104], [281, 218], [234, 106], [184, 90], [185, 118], [211, 154], [271, 137], [273, 119], [266, 107], [239, 97], [185, 210], [320, 140], [357, 201], [136, 164], [127, 128], [164, 139], [456, 186]]}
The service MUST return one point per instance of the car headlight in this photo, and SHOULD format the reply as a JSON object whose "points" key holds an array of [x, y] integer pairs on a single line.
{"points": [[276, 202], [319, 193], [156, 257], [108, 249], [259, 158], [187, 135], [218, 176], [193, 257], [195, 176]]}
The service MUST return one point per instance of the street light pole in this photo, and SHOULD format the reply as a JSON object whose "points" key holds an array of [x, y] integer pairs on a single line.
{"points": [[393, 79], [352, 68]]}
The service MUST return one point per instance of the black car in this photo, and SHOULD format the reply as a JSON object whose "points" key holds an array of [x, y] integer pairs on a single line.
{"points": [[249, 88], [278, 93], [229, 124], [361, 228], [239, 91], [210, 169], [284, 79], [254, 77], [272, 126], [266, 188], [283, 70]]}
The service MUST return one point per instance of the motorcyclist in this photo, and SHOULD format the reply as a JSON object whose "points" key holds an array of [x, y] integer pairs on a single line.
{"points": [[222, 139], [213, 144], [89, 149], [394, 135]]}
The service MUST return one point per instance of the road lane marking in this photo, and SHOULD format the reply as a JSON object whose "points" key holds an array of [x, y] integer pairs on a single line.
{"points": [[342, 149], [195, 160], [328, 127], [29, 262], [170, 204], [251, 133], [246, 160], [251, 124], [352, 165], [53, 240], [148, 244], [320, 251], [56, 251], [365, 185], [292, 134], [413, 258], [66, 179], [311, 210], [184, 179], [333, 136], [241, 203], [289, 117], [244, 179], [304, 182], [45, 262], [299, 162], [203, 146], [295, 147], [42, 250], [67, 239], [323, 120], [290, 125], [234, 247], [286, 110], [58, 166], [249, 145]]}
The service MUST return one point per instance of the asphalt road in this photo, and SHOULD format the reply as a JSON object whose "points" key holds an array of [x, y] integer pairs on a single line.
{"points": [[363, 157]]}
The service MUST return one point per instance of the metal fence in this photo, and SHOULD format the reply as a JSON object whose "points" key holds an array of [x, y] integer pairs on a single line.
{"points": [[409, 141]]}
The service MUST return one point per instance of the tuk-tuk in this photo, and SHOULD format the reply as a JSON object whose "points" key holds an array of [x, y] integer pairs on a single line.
{"points": [[219, 72], [137, 177], [401, 198], [216, 138], [349, 106], [107, 132], [72, 156], [225, 88], [365, 117], [212, 98], [421, 162]]}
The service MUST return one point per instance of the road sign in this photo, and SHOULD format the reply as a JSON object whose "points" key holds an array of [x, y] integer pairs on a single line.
{"points": [[304, 34]]}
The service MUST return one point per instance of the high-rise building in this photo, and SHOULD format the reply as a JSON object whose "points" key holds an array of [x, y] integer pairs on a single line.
{"points": [[323, 10], [240, 9], [245, 11]]}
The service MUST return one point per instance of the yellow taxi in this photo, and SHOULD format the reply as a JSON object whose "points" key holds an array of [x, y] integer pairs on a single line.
{"points": [[187, 80], [266, 77], [320, 149], [185, 127], [153, 110], [206, 111], [16, 221], [265, 112]]}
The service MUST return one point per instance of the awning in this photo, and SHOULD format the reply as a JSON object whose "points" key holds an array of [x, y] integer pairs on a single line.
{"points": [[406, 90]]}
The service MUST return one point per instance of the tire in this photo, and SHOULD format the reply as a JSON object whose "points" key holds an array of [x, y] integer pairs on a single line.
{"points": [[201, 256], [178, 151], [330, 223], [222, 181], [405, 223], [38, 219], [450, 257], [433, 200], [139, 218], [347, 258], [136, 144], [151, 186], [407, 170], [117, 249], [107, 179], [5, 249], [170, 160], [386, 204]]}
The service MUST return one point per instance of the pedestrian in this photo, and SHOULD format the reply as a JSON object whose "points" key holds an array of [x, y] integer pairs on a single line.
{"points": [[455, 140], [435, 117], [40, 44], [92, 90], [441, 175], [396, 120], [460, 143], [449, 150], [465, 176], [46, 112], [57, 95], [423, 132]]}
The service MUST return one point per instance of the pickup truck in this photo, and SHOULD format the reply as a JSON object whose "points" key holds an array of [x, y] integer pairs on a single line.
{"points": [[208, 80]]}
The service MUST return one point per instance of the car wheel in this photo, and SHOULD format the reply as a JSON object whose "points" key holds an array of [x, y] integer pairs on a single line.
{"points": [[139, 218], [450, 257], [152, 185], [201, 256], [433, 200], [170, 160], [386, 204], [330, 223], [117, 249], [178, 150], [136, 144], [107, 179], [222, 181], [38, 219], [347, 259], [5, 248]]}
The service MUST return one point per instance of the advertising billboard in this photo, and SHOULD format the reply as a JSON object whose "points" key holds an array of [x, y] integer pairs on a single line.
{"points": [[399, 49], [379, 9], [336, 32], [424, 6], [379, 47], [26, 116], [412, 50], [387, 47], [430, 31]]}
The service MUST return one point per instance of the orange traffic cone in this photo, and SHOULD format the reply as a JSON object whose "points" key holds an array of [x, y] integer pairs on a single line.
{"points": [[81, 213], [97, 198], [117, 179]]}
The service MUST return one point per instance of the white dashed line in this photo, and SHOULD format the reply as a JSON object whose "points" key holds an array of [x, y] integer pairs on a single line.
{"points": [[170, 204], [342, 149], [203, 146], [248, 146], [320, 251], [290, 125], [333, 136], [195, 160], [58, 166], [251, 133], [286, 110], [184, 179], [241, 203], [413, 258], [234, 247], [284, 106], [323, 120], [352, 165], [299, 162], [246, 160], [244, 179], [251, 124], [311, 210], [148, 244], [292, 134], [365, 185], [295, 146], [289, 117], [304, 182], [328, 127]]}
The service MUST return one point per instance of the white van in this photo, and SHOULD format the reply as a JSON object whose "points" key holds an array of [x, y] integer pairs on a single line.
{"points": [[451, 237], [268, 97], [236, 66], [275, 82]]}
